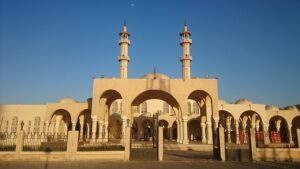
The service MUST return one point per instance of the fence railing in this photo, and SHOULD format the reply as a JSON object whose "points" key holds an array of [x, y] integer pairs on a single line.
{"points": [[45, 142], [8, 141]]}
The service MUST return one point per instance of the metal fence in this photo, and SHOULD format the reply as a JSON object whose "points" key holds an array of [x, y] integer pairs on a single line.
{"points": [[45, 142], [8, 141]]}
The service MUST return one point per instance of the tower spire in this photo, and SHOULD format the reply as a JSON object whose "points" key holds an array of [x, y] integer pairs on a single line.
{"points": [[186, 58], [124, 43]]}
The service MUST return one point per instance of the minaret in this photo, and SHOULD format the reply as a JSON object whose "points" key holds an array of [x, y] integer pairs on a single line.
{"points": [[186, 58], [124, 43]]}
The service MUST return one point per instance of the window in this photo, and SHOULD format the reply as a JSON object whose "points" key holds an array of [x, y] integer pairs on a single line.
{"points": [[196, 108], [37, 123], [166, 107], [144, 107], [14, 125], [189, 108], [114, 108]]}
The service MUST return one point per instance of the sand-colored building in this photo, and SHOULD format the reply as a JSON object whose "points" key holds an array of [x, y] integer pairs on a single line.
{"points": [[188, 108]]}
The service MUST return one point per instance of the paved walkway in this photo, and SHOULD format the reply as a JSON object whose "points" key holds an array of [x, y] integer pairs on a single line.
{"points": [[173, 160]]}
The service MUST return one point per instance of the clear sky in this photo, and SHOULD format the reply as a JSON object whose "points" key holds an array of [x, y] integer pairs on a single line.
{"points": [[52, 49]]}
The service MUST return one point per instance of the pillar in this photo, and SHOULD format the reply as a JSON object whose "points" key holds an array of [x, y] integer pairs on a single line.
{"points": [[73, 126], [81, 122], [160, 144], [266, 134], [228, 126], [203, 131], [209, 132], [178, 131], [94, 128], [237, 132], [290, 134], [185, 131], [87, 134], [222, 143], [100, 130], [124, 124], [106, 131]]}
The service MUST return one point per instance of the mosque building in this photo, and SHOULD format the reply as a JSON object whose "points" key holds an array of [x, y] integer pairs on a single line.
{"points": [[189, 109]]}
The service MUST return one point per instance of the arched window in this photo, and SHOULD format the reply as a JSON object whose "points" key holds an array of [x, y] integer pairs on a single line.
{"points": [[189, 108], [144, 107], [114, 108], [37, 123], [166, 107], [196, 108], [14, 125]]}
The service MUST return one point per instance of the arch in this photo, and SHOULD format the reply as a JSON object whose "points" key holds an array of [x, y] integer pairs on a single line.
{"points": [[110, 96], [63, 118], [156, 94], [165, 125], [227, 121], [204, 101], [295, 126], [278, 130], [194, 130], [250, 119]]}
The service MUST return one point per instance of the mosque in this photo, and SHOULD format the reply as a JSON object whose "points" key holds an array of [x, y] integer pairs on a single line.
{"points": [[189, 109]]}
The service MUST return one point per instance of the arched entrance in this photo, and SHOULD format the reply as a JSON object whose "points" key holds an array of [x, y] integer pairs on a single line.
{"points": [[83, 125], [278, 130], [250, 119], [60, 122], [194, 131], [227, 121], [295, 126], [110, 115]]}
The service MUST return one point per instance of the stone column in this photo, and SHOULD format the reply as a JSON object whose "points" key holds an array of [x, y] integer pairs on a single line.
{"points": [[237, 136], [178, 131], [160, 144], [203, 129], [94, 128], [87, 134], [124, 124], [106, 131], [252, 144], [100, 130], [228, 126], [266, 134], [290, 133], [73, 126], [222, 144], [81, 122], [209, 132], [185, 131], [57, 123], [170, 133]]}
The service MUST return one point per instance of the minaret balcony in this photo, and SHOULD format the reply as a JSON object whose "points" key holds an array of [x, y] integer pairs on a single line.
{"points": [[186, 57], [123, 57], [124, 41], [185, 41]]}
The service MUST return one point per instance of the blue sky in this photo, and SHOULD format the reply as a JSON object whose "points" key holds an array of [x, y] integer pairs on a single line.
{"points": [[52, 49]]}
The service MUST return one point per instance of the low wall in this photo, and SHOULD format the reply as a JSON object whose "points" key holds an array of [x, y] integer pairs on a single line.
{"points": [[277, 154], [193, 147], [62, 156]]}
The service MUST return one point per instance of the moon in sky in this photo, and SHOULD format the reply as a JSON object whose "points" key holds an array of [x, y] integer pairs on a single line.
{"points": [[132, 4]]}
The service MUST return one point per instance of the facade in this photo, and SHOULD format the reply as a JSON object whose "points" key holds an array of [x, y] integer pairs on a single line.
{"points": [[188, 109]]}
